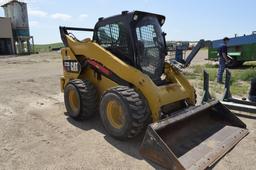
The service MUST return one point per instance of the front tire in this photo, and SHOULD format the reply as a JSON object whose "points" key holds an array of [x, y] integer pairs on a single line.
{"points": [[124, 112], [80, 99]]}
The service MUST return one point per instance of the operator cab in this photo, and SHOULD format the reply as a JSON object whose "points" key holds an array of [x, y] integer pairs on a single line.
{"points": [[136, 38]]}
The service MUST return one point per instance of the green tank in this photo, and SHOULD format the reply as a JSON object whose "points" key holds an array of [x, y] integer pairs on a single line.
{"points": [[241, 49]]}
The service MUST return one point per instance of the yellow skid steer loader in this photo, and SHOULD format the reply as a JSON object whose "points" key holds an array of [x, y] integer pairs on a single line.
{"points": [[122, 74]]}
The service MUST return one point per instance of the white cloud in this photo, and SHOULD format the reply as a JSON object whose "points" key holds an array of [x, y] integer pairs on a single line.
{"points": [[61, 16], [33, 23], [83, 16], [37, 13]]}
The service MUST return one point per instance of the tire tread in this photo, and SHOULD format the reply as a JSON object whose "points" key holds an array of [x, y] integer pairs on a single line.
{"points": [[88, 98]]}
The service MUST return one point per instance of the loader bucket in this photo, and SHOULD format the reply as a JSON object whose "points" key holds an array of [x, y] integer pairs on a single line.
{"points": [[195, 138]]}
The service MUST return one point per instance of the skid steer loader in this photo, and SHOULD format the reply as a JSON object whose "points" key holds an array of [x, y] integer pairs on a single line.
{"points": [[122, 73]]}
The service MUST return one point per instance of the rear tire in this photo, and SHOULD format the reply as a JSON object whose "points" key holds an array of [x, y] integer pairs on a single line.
{"points": [[80, 99], [124, 113]]}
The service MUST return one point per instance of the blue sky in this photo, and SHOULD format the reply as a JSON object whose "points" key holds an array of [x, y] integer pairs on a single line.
{"points": [[186, 19]]}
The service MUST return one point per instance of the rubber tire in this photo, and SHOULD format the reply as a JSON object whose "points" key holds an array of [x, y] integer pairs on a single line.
{"points": [[135, 109], [87, 99]]}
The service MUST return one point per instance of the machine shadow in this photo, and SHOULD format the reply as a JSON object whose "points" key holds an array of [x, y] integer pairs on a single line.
{"points": [[129, 147], [243, 67]]}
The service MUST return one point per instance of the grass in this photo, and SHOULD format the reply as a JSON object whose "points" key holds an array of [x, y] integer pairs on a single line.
{"points": [[211, 65], [240, 88], [47, 47], [190, 76], [212, 73], [240, 80], [244, 75], [198, 69]]}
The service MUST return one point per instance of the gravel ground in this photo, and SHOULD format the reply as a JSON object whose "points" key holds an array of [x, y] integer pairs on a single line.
{"points": [[35, 133]]}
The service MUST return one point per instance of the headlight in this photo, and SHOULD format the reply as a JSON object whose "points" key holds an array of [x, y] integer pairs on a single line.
{"points": [[135, 17], [162, 21]]}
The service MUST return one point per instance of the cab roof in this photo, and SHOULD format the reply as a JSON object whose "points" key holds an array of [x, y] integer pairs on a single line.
{"points": [[129, 17]]}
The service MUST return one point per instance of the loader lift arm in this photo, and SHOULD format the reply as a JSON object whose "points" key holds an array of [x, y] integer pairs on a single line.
{"points": [[64, 32], [186, 62], [201, 44]]}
